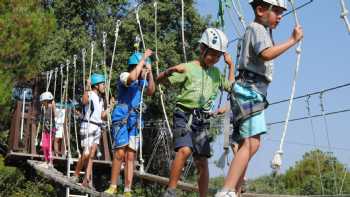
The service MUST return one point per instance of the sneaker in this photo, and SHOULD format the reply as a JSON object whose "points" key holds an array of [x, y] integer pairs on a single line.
{"points": [[127, 194], [225, 194], [111, 190], [169, 193]]}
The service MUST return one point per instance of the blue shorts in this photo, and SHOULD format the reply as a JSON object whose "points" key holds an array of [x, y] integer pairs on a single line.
{"points": [[254, 125], [126, 132], [197, 138]]}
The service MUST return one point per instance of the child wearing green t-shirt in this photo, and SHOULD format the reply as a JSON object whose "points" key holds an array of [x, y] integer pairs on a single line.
{"points": [[199, 82]]}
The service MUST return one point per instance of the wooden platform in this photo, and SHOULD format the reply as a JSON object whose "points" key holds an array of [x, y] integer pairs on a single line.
{"points": [[14, 158]]}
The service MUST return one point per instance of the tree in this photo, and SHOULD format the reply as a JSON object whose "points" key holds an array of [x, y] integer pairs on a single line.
{"points": [[307, 177], [25, 28]]}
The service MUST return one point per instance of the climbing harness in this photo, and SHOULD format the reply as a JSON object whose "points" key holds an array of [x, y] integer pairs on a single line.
{"points": [[277, 159]]}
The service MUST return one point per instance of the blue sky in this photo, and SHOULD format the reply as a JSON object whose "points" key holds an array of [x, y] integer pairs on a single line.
{"points": [[324, 64]]}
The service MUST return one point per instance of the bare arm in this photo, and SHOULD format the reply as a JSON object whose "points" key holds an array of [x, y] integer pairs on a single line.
{"points": [[229, 62], [135, 73], [163, 76], [275, 51], [151, 86], [85, 99]]}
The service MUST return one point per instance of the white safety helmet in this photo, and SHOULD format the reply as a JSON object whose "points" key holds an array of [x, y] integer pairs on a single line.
{"points": [[46, 96], [214, 39], [278, 3], [124, 78]]}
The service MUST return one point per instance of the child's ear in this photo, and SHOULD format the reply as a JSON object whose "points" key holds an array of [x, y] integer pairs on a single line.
{"points": [[260, 10]]}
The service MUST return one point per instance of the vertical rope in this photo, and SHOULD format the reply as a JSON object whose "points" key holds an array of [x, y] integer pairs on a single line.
{"points": [[55, 83], [74, 102], [238, 10], [328, 141], [277, 161], [83, 54], [91, 57], [23, 109], [344, 14], [183, 29], [142, 91], [157, 69], [66, 103], [314, 140]]}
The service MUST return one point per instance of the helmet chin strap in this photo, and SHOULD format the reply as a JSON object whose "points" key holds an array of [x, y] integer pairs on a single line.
{"points": [[203, 55]]}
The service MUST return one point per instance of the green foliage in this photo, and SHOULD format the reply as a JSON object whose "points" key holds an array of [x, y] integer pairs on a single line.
{"points": [[304, 178], [25, 28], [13, 183]]}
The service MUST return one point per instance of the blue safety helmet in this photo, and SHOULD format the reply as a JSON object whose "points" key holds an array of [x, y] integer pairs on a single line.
{"points": [[135, 58], [97, 78]]}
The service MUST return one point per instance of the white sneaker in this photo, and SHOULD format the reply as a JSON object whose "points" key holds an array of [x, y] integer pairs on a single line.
{"points": [[225, 194]]}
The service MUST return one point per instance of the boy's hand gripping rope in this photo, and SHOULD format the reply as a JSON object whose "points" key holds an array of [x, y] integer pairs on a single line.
{"points": [[277, 159]]}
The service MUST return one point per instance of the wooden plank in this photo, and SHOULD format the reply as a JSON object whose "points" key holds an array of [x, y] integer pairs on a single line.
{"points": [[164, 181], [103, 164], [62, 179]]}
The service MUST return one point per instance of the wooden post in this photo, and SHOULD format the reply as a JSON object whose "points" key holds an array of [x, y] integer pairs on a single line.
{"points": [[106, 152]]}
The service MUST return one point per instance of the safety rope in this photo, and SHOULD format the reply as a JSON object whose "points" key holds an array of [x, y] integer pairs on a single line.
{"points": [[23, 109], [91, 57], [83, 54], [66, 104], [142, 92], [55, 83], [344, 14], [140, 28], [116, 33], [277, 159], [343, 180], [48, 79], [108, 92], [239, 12], [155, 148], [62, 93], [104, 62], [73, 104], [314, 141], [157, 69], [328, 141], [183, 29]]}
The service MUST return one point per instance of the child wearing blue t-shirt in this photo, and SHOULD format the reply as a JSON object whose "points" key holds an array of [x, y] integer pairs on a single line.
{"points": [[125, 117]]}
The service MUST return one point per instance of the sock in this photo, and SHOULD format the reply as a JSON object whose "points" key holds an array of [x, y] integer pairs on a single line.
{"points": [[113, 186], [127, 189]]}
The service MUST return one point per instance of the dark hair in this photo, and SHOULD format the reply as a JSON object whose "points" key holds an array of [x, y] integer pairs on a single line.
{"points": [[131, 67], [257, 3]]}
